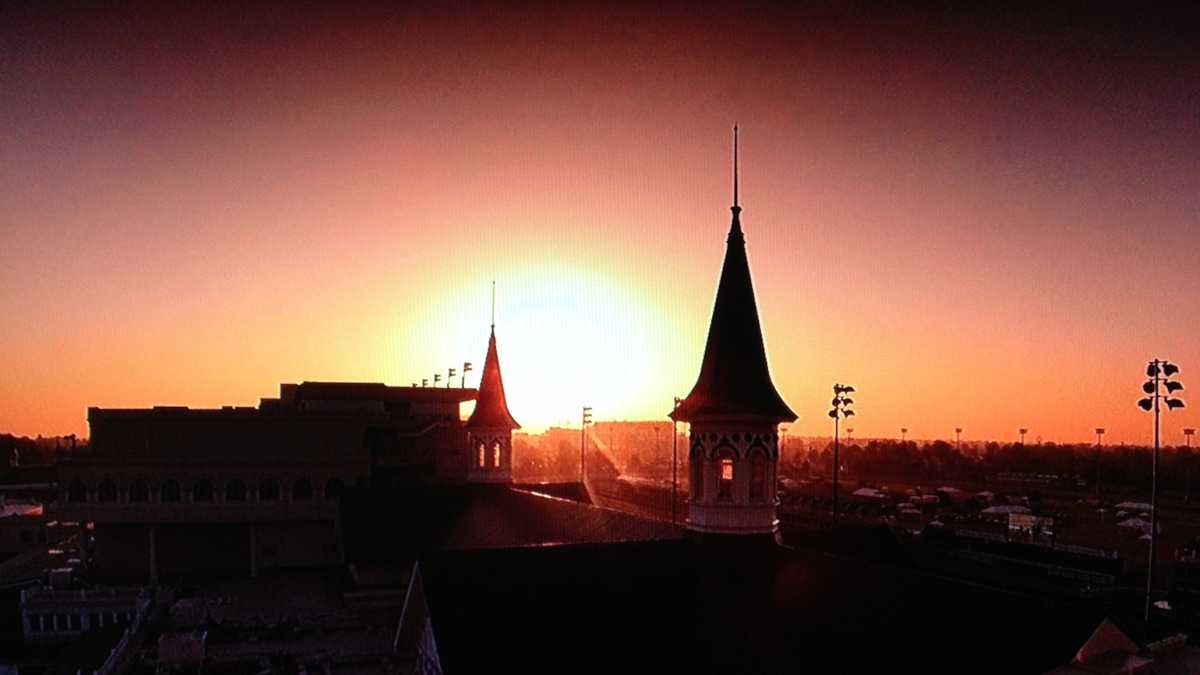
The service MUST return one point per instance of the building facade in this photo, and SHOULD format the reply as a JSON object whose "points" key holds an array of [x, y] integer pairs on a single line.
{"points": [[175, 491]]}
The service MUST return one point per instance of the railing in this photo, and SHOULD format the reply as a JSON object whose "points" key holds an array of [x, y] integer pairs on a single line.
{"points": [[158, 512], [119, 655]]}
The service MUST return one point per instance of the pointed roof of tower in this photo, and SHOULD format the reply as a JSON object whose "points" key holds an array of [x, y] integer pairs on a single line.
{"points": [[734, 381], [491, 408]]}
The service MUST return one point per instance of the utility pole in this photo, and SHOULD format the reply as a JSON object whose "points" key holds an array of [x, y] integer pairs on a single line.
{"points": [[586, 418]]}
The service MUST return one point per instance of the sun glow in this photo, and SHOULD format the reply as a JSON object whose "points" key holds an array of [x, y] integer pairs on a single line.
{"points": [[567, 337]]}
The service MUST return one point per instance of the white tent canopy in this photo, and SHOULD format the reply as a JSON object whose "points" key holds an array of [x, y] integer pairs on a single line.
{"points": [[869, 493], [1135, 523], [1135, 506], [1006, 509]]}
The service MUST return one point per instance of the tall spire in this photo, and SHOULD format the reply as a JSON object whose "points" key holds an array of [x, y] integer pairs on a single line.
{"points": [[735, 380]]}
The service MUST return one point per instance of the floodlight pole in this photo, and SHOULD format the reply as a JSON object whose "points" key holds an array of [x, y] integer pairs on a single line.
{"points": [[674, 461], [1153, 498], [1099, 436], [1159, 372], [835, 469], [584, 419], [840, 408], [1187, 439]]}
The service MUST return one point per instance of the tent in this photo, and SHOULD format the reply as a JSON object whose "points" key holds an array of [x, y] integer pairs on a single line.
{"points": [[1135, 523], [868, 493], [1005, 509]]}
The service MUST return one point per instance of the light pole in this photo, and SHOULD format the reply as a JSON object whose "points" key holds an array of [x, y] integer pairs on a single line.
{"points": [[1159, 372], [958, 440], [465, 369], [840, 408], [903, 433], [1099, 436], [586, 418], [1187, 439], [1022, 431], [674, 459], [849, 434]]}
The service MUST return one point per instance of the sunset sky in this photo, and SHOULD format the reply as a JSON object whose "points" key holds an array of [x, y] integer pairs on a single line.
{"points": [[984, 219]]}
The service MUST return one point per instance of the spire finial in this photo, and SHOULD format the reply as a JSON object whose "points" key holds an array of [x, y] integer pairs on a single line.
{"points": [[735, 166], [493, 305]]}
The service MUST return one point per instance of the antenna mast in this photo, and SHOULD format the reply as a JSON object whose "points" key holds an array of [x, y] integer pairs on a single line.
{"points": [[735, 166]]}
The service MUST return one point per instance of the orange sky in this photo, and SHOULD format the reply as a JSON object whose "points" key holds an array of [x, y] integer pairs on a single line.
{"points": [[987, 221]]}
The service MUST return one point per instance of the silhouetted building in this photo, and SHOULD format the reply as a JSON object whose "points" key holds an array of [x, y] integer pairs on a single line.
{"points": [[179, 491], [734, 410]]}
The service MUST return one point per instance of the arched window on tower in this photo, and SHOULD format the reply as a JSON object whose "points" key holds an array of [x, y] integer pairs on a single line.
{"points": [[482, 459], [758, 476], [496, 454], [725, 475]]}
